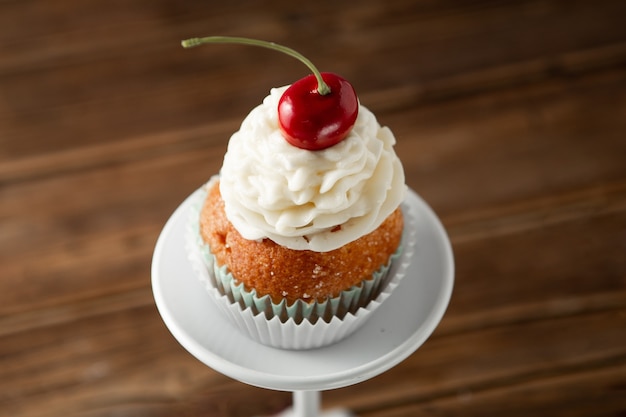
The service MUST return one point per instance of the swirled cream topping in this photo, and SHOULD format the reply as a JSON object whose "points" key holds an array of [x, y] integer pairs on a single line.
{"points": [[315, 200]]}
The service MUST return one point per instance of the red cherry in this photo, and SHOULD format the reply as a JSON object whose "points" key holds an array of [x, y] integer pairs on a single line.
{"points": [[312, 121], [315, 112]]}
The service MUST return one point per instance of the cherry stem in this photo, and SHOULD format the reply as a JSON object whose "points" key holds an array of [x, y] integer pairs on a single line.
{"points": [[322, 87]]}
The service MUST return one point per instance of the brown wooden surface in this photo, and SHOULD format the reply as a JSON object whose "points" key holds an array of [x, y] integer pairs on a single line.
{"points": [[511, 122]]}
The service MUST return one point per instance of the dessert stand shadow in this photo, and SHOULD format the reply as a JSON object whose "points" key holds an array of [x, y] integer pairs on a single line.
{"points": [[392, 333]]}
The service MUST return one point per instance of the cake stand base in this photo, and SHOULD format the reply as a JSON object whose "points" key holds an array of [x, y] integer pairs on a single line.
{"points": [[307, 404], [330, 413], [397, 328]]}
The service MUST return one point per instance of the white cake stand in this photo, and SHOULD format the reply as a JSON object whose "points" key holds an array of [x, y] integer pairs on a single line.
{"points": [[395, 330]]}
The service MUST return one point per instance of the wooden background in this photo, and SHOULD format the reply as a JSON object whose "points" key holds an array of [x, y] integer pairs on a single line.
{"points": [[511, 122]]}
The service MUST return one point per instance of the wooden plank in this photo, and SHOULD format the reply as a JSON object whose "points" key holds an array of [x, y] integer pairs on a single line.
{"points": [[78, 236], [125, 361], [122, 358], [538, 267], [522, 143], [385, 103], [80, 81], [211, 139], [592, 393], [493, 361]]}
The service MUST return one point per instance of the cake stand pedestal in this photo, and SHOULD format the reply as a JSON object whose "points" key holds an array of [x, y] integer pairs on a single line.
{"points": [[393, 332]]}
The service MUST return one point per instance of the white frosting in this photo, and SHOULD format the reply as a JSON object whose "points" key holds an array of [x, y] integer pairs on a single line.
{"points": [[296, 197]]}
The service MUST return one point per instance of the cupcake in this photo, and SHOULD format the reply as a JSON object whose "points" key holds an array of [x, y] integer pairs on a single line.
{"points": [[295, 242]]}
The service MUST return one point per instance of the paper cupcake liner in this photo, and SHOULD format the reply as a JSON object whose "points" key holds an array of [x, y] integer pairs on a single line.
{"points": [[301, 325]]}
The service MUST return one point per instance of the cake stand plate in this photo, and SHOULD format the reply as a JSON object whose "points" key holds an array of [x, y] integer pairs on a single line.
{"points": [[395, 330]]}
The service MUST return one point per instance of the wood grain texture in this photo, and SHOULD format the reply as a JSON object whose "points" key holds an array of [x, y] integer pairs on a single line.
{"points": [[510, 118]]}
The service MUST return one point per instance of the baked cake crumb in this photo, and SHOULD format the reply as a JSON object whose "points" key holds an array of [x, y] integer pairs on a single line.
{"points": [[295, 274]]}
